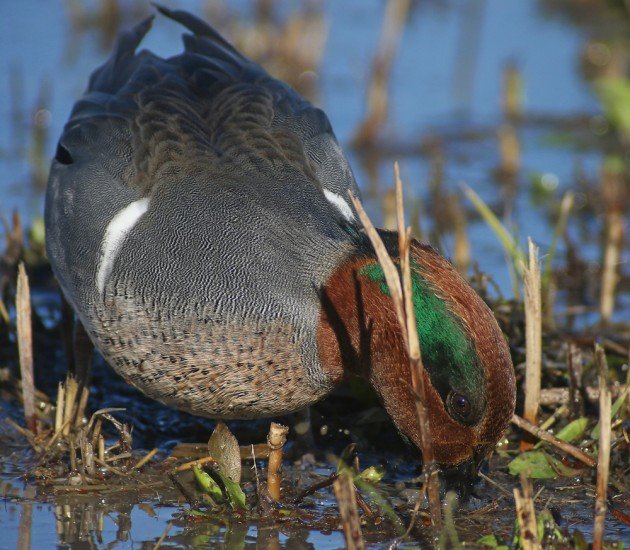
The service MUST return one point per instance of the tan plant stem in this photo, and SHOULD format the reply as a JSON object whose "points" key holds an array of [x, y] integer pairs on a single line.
{"points": [[526, 515], [533, 339], [25, 347], [603, 458], [275, 440], [402, 297], [346, 499]]}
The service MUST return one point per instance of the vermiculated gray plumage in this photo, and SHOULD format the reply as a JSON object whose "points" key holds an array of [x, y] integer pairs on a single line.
{"points": [[211, 301]]}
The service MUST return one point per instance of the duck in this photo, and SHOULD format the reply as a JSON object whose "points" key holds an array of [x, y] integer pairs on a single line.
{"points": [[199, 224]]}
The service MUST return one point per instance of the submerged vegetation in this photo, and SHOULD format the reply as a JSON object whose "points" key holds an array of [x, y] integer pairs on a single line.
{"points": [[97, 451]]}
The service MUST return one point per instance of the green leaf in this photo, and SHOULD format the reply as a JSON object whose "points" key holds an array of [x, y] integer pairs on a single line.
{"points": [[509, 243], [573, 430], [373, 474], [561, 469], [540, 465], [614, 94], [208, 484], [493, 542], [613, 412], [504, 236], [236, 496], [579, 541], [534, 464]]}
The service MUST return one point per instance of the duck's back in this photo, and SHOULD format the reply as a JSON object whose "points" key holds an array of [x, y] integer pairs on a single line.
{"points": [[194, 209]]}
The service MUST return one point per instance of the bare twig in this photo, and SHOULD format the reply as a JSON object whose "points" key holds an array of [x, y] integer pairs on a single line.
{"points": [[316, 487], [163, 537], [198, 462], [546, 436], [145, 459]]}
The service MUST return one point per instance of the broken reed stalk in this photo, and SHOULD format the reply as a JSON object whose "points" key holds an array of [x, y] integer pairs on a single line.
{"points": [[402, 297], [603, 458], [546, 436], [560, 396], [461, 242], [347, 501], [509, 151], [276, 439], [526, 515], [393, 22], [533, 339], [574, 367], [512, 97], [25, 347], [614, 220]]}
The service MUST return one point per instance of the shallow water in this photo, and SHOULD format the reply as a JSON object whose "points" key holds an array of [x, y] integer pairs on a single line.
{"points": [[429, 100]]}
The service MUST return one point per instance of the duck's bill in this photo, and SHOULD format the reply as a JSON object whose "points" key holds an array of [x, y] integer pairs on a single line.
{"points": [[460, 478]]}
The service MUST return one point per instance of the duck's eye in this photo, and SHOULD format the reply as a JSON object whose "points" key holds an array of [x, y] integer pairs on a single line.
{"points": [[459, 407], [62, 155]]}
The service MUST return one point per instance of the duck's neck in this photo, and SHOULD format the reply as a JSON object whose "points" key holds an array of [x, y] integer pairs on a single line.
{"points": [[359, 334]]}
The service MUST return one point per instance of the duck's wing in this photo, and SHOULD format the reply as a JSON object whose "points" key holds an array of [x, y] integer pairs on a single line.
{"points": [[209, 105]]}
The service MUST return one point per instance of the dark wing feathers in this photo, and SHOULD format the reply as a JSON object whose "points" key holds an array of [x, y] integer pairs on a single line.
{"points": [[208, 104]]}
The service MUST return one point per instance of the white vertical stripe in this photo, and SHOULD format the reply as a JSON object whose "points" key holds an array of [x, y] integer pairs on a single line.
{"points": [[117, 230], [337, 200]]}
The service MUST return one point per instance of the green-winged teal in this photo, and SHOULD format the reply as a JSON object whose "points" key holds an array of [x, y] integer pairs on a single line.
{"points": [[198, 222]]}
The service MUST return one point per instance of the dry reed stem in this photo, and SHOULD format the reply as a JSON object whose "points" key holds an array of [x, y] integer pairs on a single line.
{"points": [[70, 396], [145, 459], [461, 250], [190, 450], [275, 440], [163, 536], [533, 338], [415, 359], [560, 396], [509, 150], [389, 269], [24, 530], [512, 97], [25, 347], [59, 410], [526, 515], [393, 22], [402, 296], [611, 262], [574, 366], [603, 458], [346, 499], [198, 462], [546, 436]]}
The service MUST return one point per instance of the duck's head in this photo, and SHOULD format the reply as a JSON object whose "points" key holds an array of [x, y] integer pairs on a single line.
{"points": [[469, 377]]}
